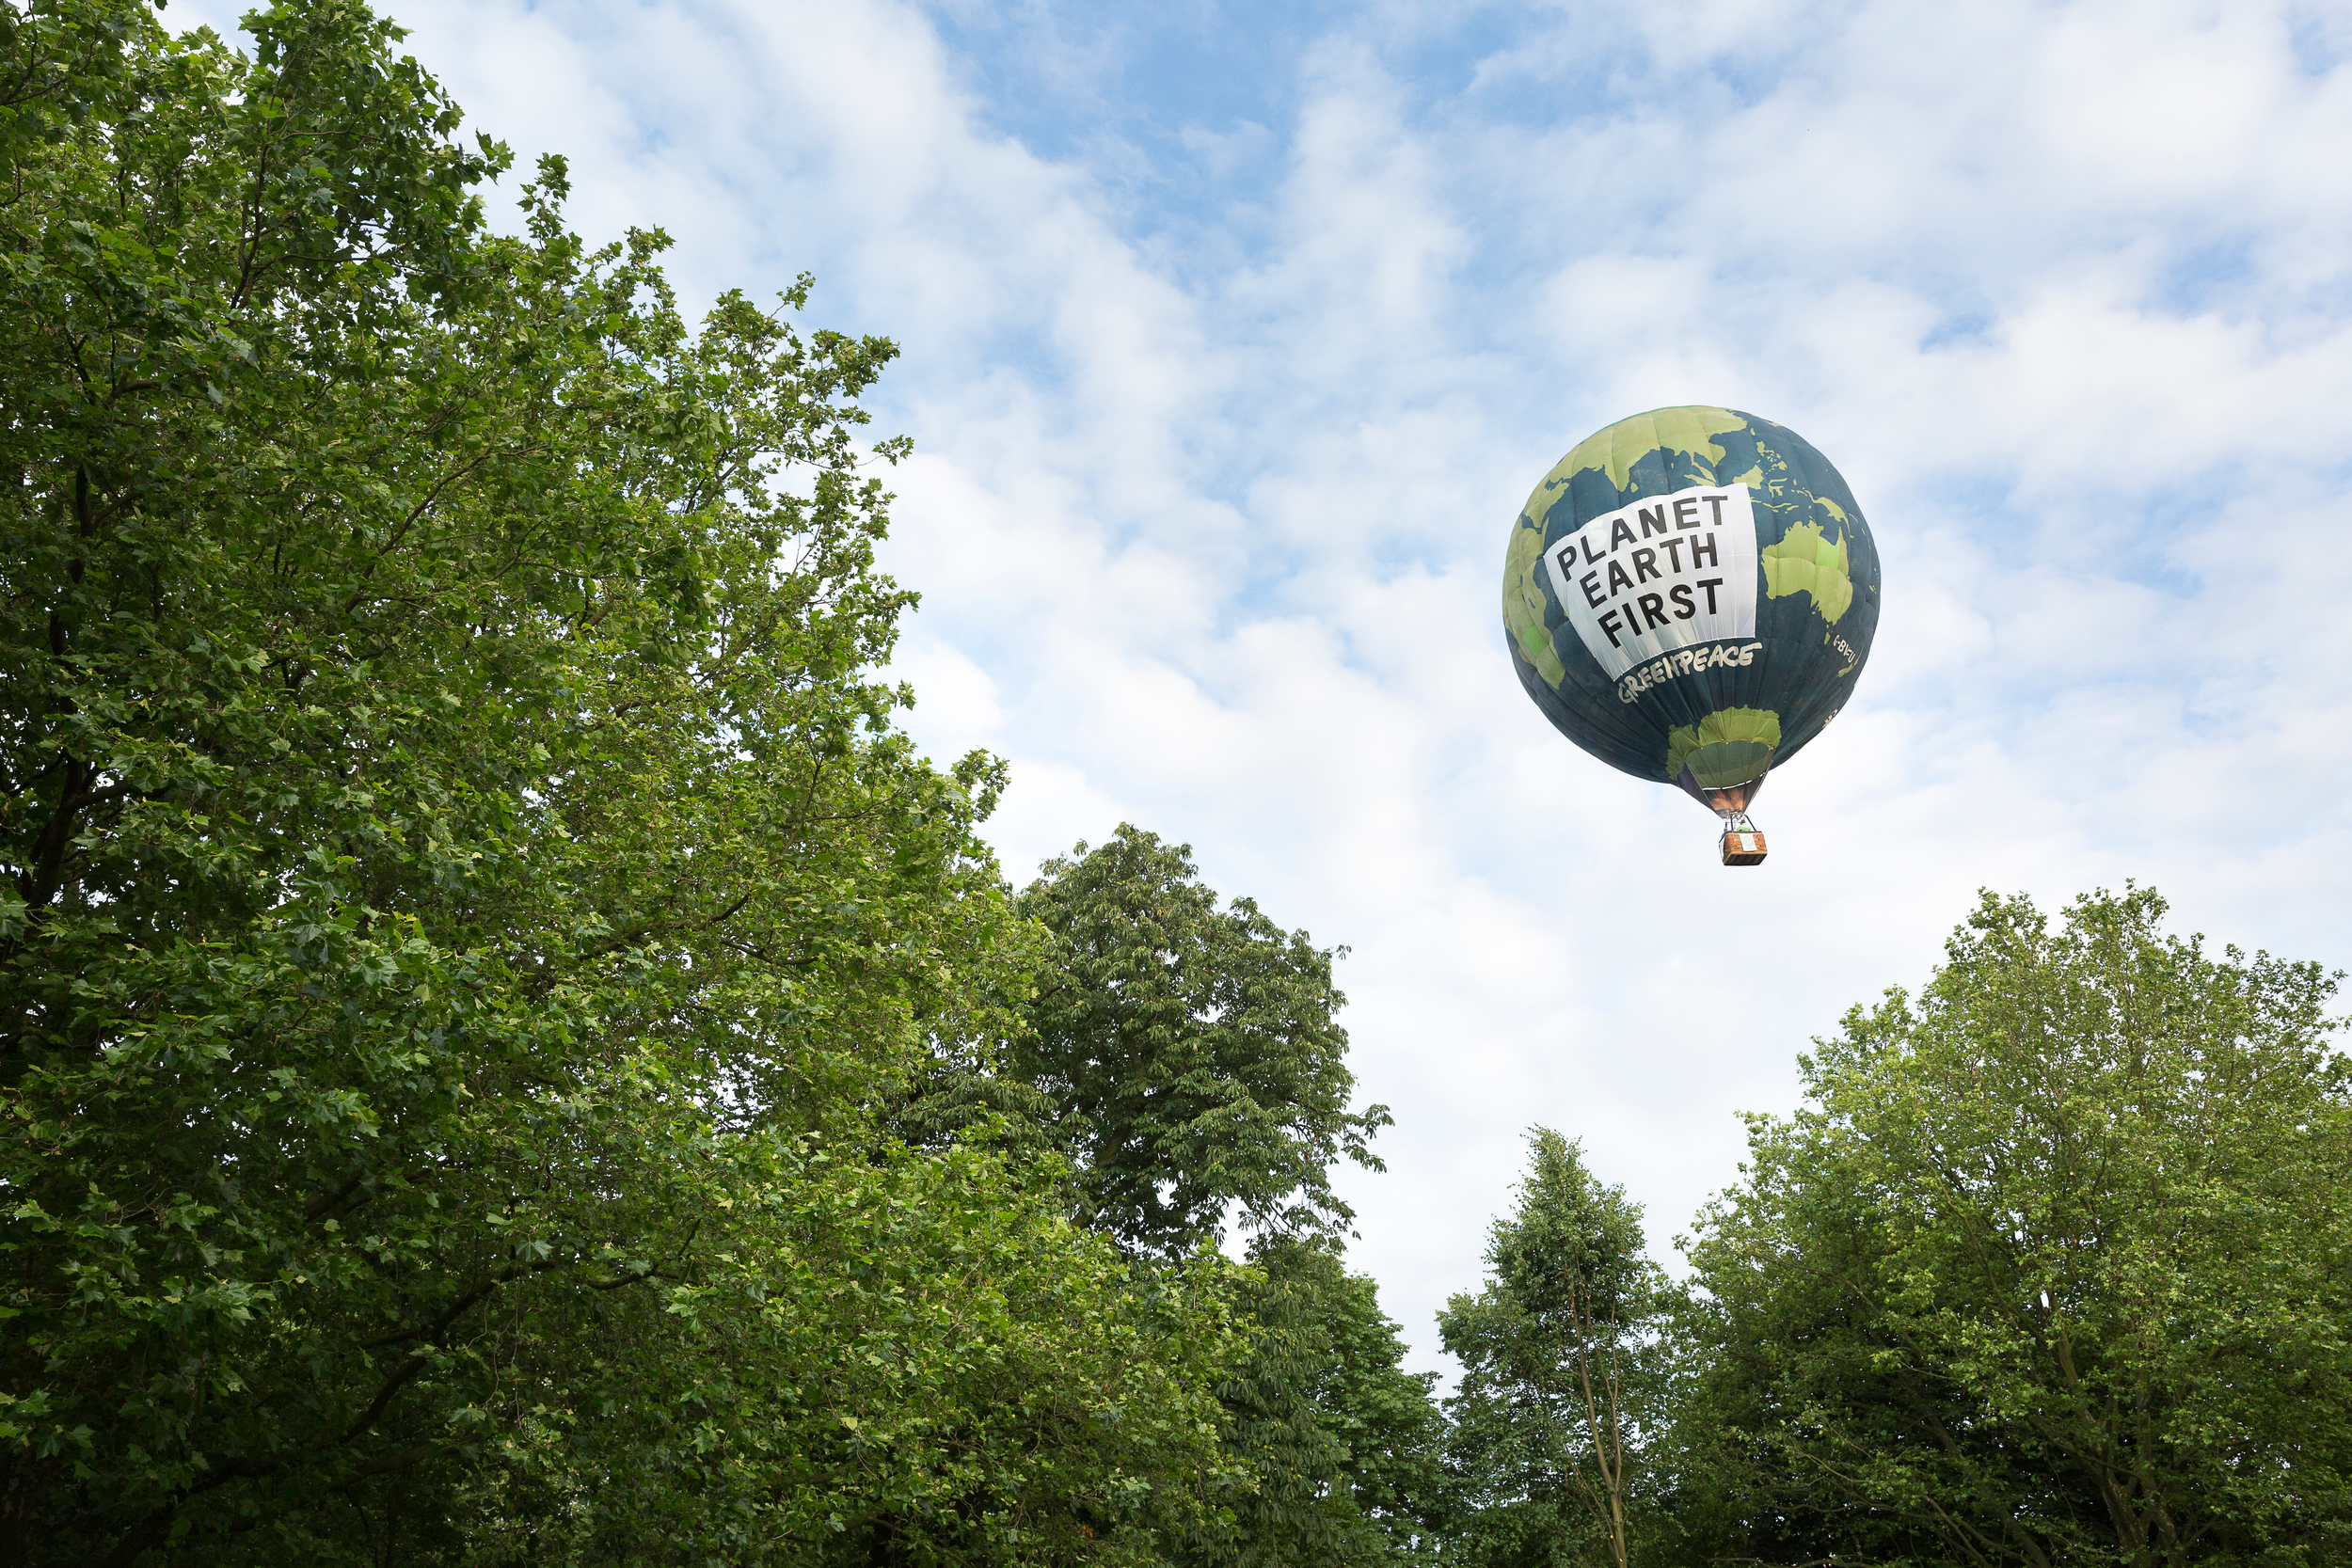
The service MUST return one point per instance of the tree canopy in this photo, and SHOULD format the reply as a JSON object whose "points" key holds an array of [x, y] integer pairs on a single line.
{"points": [[465, 889], [1188, 1055], [2053, 1267]]}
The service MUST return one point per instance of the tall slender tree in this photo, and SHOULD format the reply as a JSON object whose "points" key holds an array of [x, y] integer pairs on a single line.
{"points": [[1554, 1405]]}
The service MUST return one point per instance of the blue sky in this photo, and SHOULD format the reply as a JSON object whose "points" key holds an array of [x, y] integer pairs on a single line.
{"points": [[1236, 335]]}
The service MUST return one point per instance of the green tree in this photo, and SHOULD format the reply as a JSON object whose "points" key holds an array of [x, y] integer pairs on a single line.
{"points": [[1187, 1057], [1554, 1403], [464, 890], [1335, 1446], [1187, 1062], [898, 1358], [2054, 1266]]}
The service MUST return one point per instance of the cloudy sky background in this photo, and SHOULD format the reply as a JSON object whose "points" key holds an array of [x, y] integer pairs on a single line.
{"points": [[1235, 334]]}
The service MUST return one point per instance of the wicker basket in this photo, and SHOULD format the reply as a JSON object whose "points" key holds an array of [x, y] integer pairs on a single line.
{"points": [[1743, 849]]}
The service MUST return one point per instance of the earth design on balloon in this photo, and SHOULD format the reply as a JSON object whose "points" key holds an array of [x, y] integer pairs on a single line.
{"points": [[1689, 595]]}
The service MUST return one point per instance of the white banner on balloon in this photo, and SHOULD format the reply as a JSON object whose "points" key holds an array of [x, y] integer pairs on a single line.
{"points": [[1661, 574]]}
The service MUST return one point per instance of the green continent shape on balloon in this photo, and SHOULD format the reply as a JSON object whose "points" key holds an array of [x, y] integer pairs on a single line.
{"points": [[1729, 746], [1615, 451], [1523, 606], [1805, 562], [1618, 449]]}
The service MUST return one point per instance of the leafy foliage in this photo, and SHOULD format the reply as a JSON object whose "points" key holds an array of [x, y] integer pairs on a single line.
{"points": [[1557, 1385], [2055, 1267], [900, 1358], [465, 890], [1186, 1060], [1334, 1444], [1187, 1056]]}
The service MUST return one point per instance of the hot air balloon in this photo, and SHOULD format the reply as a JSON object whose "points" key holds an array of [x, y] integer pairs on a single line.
{"points": [[1690, 595]]}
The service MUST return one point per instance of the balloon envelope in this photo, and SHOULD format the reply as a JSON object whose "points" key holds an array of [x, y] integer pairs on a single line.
{"points": [[1689, 595]]}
